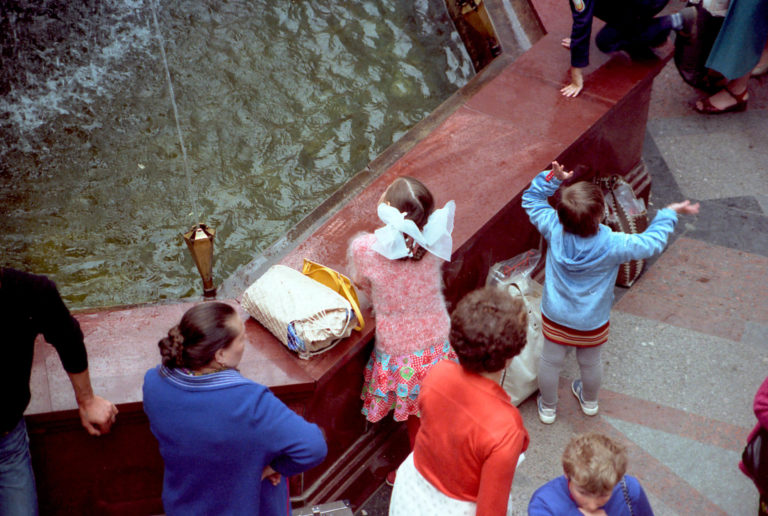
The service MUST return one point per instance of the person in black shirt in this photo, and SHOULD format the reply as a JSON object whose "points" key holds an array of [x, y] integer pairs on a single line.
{"points": [[31, 305]]}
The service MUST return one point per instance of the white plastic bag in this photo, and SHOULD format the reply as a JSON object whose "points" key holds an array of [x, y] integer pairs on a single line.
{"points": [[520, 378], [305, 315]]}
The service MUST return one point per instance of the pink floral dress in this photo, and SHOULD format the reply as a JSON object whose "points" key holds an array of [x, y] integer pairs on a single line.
{"points": [[412, 326]]}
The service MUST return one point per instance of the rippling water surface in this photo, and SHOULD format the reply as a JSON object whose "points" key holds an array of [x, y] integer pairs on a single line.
{"points": [[280, 103]]}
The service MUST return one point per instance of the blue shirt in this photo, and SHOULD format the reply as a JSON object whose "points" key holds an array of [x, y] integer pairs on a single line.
{"points": [[217, 432], [554, 499]]}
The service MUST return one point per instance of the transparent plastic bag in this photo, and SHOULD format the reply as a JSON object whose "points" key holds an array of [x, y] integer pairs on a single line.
{"points": [[517, 270]]}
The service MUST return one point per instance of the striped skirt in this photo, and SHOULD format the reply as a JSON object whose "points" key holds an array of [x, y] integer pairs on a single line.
{"points": [[565, 336]]}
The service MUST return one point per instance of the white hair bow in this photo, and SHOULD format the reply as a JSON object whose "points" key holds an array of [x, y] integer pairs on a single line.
{"points": [[435, 237]]}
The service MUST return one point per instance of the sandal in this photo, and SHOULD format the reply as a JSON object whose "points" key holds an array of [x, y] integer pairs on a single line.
{"points": [[709, 109]]}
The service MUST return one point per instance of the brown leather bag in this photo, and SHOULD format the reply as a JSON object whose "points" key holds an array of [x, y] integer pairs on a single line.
{"points": [[626, 213]]}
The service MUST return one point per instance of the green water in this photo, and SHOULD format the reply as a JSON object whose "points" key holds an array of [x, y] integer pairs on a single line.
{"points": [[279, 103]]}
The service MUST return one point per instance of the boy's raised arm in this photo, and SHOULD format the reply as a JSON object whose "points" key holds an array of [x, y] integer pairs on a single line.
{"points": [[535, 203]]}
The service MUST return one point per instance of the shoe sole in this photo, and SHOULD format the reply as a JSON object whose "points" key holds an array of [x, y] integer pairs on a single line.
{"points": [[547, 420], [585, 410]]}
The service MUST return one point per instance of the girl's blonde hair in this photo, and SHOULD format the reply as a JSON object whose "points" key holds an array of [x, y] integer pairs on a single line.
{"points": [[409, 195], [594, 462]]}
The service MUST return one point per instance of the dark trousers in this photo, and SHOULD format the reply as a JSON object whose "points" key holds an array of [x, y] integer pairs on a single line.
{"points": [[630, 24]]}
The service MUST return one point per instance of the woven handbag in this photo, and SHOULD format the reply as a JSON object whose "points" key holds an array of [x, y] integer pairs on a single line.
{"points": [[305, 315], [624, 213]]}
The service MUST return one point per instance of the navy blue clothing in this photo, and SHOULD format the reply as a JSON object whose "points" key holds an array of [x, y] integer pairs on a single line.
{"points": [[30, 305], [554, 499], [217, 432], [629, 25]]}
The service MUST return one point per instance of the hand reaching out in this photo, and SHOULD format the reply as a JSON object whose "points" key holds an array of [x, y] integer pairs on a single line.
{"points": [[685, 207], [560, 172]]}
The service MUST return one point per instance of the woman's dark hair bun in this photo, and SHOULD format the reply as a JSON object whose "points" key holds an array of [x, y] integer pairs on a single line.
{"points": [[204, 329], [172, 348]]}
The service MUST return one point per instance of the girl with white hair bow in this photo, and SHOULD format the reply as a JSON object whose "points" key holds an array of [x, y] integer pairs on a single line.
{"points": [[399, 266]]}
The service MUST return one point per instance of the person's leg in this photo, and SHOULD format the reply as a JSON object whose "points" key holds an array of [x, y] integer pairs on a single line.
{"points": [[413, 423], [591, 366], [737, 50], [741, 39], [550, 365], [18, 496], [631, 25], [762, 65]]}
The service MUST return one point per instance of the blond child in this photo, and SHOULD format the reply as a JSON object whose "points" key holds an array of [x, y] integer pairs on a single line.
{"points": [[594, 483]]}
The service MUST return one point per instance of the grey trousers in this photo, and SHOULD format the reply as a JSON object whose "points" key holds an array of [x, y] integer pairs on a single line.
{"points": [[552, 360]]}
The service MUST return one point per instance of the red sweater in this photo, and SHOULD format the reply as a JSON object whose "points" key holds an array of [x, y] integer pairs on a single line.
{"points": [[470, 437]]}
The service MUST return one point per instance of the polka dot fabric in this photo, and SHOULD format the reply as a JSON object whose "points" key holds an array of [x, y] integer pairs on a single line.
{"points": [[413, 495]]}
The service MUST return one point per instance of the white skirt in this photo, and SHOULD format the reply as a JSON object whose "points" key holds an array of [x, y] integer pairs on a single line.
{"points": [[413, 495]]}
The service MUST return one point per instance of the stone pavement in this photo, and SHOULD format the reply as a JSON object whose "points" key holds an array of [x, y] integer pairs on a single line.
{"points": [[689, 341]]}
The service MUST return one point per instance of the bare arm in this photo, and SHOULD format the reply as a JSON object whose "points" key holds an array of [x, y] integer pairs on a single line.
{"points": [[96, 413]]}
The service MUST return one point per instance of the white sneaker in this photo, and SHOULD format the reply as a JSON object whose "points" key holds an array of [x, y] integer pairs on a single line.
{"points": [[546, 415], [588, 407]]}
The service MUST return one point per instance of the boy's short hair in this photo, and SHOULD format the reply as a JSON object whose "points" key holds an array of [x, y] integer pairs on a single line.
{"points": [[580, 208], [594, 462], [488, 327]]}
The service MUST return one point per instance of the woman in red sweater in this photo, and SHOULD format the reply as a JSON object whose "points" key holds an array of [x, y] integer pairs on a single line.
{"points": [[471, 436]]}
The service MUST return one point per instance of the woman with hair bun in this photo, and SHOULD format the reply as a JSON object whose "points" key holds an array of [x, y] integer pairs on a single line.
{"points": [[226, 441]]}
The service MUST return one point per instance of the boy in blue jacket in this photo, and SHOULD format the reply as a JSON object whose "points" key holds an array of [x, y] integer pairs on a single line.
{"points": [[629, 25], [583, 259]]}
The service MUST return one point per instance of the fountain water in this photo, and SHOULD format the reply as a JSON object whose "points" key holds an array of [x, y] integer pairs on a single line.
{"points": [[281, 102]]}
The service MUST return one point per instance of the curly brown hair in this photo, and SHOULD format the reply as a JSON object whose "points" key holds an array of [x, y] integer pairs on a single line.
{"points": [[488, 327]]}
